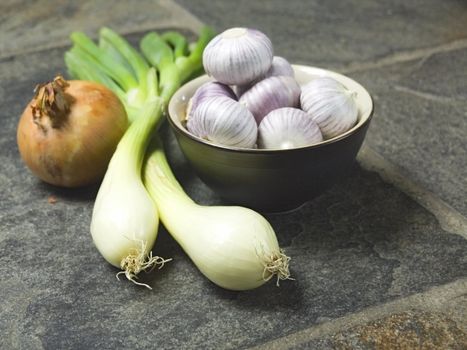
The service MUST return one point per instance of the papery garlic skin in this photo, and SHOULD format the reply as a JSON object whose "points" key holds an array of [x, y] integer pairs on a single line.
{"points": [[224, 121], [286, 128], [238, 56], [269, 94], [330, 104], [207, 91], [280, 66]]}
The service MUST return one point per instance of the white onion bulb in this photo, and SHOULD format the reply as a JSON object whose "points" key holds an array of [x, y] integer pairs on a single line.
{"points": [[286, 128], [234, 247], [330, 104], [224, 121], [238, 56]]}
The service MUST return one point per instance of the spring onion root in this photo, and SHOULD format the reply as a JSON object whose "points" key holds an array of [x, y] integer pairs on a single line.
{"points": [[275, 264], [137, 261]]}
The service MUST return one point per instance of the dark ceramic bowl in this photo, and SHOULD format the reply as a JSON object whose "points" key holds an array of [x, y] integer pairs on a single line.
{"points": [[272, 180]]}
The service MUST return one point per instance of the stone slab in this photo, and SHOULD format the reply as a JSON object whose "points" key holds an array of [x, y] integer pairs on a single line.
{"points": [[360, 244], [412, 329], [38, 25], [347, 254], [333, 33], [420, 121]]}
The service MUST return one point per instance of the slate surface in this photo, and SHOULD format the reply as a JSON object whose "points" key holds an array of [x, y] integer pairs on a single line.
{"points": [[412, 329], [360, 244], [41, 24], [421, 122], [335, 33]]}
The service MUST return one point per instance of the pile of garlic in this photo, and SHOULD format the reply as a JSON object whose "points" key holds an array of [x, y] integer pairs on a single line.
{"points": [[255, 101]]}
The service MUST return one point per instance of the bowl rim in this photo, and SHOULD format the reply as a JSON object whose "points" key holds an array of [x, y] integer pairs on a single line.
{"points": [[178, 95]]}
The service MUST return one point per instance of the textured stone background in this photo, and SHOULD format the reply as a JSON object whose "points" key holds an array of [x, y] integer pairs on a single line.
{"points": [[373, 267]]}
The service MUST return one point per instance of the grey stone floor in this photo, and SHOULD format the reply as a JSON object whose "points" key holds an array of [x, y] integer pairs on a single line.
{"points": [[380, 259]]}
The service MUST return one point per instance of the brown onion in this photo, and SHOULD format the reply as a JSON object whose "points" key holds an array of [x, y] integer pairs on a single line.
{"points": [[69, 131]]}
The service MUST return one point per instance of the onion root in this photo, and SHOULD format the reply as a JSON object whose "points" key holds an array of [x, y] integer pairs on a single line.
{"points": [[138, 261], [275, 264]]}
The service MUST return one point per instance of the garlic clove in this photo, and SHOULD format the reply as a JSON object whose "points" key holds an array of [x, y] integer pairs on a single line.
{"points": [[269, 94], [286, 127], [224, 121], [238, 56], [279, 66], [206, 91], [330, 104]]}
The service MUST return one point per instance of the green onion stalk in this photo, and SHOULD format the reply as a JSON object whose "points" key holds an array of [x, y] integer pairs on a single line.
{"points": [[125, 217]]}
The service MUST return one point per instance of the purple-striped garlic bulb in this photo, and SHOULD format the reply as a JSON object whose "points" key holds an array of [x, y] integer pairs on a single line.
{"points": [[207, 91], [279, 66], [286, 128], [238, 56], [330, 104], [224, 121], [269, 94]]}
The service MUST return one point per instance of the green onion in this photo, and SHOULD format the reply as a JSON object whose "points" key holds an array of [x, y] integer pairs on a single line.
{"points": [[234, 247], [194, 61], [115, 64], [103, 61], [156, 50], [125, 219], [177, 41]]}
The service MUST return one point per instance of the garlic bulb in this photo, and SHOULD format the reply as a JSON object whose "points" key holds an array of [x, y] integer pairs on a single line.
{"points": [[269, 94], [279, 66], [288, 128], [238, 56], [330, 104], [206, 91], [224, 121]]}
